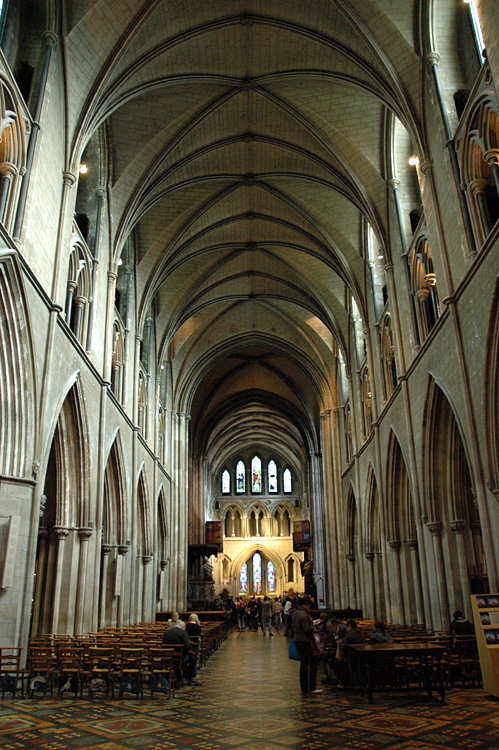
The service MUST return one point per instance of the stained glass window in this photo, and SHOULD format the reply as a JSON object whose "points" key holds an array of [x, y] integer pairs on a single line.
{"points": [[225, 482], [272, 472], [270, 578], [240, 477], [256, 475], [243, 579], [257, 573], [286, 481]]}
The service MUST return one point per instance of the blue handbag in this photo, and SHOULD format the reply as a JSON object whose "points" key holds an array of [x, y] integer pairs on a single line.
{"points": [[293, 652]]}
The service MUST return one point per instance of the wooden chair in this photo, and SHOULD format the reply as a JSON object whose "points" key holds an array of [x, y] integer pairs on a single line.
{"points": [[11, 672], [69, 669], [161, 667], [40, 669], [130, 669], [99, 670]]}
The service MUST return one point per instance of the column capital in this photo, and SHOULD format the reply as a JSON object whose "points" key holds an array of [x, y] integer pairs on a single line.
{"points": [[412, 543], [85, 533], [435, 527], [458, 526], [370, 556], [395, 544], [123, 548], [426, 167], [61, 532], [146, 559], [106, 549], [432, 58], [8, 170], [492, 156], [394, 183], [68, 179], [478, 185], [50, 38]]}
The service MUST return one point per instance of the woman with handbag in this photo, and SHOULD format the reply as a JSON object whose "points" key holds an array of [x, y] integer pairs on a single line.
{"points": [[303, 628]]}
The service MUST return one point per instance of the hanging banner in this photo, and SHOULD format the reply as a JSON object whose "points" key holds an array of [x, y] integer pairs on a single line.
{"points": [[214, 532], [301, 536]]}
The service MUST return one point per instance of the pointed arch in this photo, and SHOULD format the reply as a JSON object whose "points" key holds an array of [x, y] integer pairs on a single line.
{"points": [[491, 372], [143, 535], [114, 519], [17, 377], [400, 518]]}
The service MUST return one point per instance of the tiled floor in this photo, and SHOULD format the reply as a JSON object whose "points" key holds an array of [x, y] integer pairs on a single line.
{"points": [[250, 699]]}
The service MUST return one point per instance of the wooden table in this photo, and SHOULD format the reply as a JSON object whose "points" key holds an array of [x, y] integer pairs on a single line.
{"points": [[429, 655]]}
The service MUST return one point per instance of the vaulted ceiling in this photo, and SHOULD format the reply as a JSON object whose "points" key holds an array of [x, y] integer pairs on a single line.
{"points": [[247, 147]]}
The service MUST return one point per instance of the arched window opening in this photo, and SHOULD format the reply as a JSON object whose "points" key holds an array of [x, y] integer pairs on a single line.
{"points": [[142, 403], [282, 522], [256, 475], [424, 288], [257, 573], [226, 482], [243, 579], [287, 484], [240, 477], [256, 522], [348, 432], [367, 415], [291, 570], [388, 356], [271, 583], [79, 288], [233, 522], [117, 359], [272, 476], [161, 433]]}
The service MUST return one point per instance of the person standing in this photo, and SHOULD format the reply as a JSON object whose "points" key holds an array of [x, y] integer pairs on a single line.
{"points": [[303, 628], [277, 610], [267, 615]]}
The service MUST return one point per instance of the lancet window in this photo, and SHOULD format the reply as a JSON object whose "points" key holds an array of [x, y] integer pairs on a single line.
{"points": [[226, 482], [424, 287], [287, 484], [240, 477], [388, 356], [272, 476], [79, 286], [117, 359], [367, 415], [256, 475]]}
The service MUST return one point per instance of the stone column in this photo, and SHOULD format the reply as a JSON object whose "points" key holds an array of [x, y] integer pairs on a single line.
{"points": [[352, 588], [370, 559], [458, 526], [435, 529], [476, 530], [121, 621], [477, 187], [80, 303], [7, 172], [84, 534], [106, 551], [61, 534], [416, 577], [395, 545], [146, 610], [41, 563]]}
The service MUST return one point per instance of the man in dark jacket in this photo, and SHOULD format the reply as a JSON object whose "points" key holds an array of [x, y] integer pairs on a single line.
{"points": [[175, 636], [303, 627], [348, 666]]}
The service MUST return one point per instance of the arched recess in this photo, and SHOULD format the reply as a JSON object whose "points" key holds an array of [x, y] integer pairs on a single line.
{"points": [[402, 538], [374, 547], [268, 554], [58, 606], [143, 549], [161, 558], [492, 394], [354, 552], [17, 391], [114, 536], [450, 505]]}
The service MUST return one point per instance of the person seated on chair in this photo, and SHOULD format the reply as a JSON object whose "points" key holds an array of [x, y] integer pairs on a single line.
{"points": [[174, 636], [379, 634], [348, 664], [460, 625]]}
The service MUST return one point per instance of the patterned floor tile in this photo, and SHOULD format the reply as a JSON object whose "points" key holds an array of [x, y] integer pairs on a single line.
{"points": [[250, 698]]}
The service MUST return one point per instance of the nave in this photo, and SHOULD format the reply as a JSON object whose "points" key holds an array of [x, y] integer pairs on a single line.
{"points": [[249, 698]]}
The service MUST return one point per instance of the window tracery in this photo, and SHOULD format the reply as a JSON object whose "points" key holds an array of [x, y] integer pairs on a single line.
{"points": [[388, 356]]}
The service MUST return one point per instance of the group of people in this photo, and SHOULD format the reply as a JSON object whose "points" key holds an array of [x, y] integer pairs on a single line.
{"points": [[178, 632], [336, 636], [263, 613]]}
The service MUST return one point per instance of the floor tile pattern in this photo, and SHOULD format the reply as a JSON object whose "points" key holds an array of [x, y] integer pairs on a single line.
{"points": [[250, 699]]}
